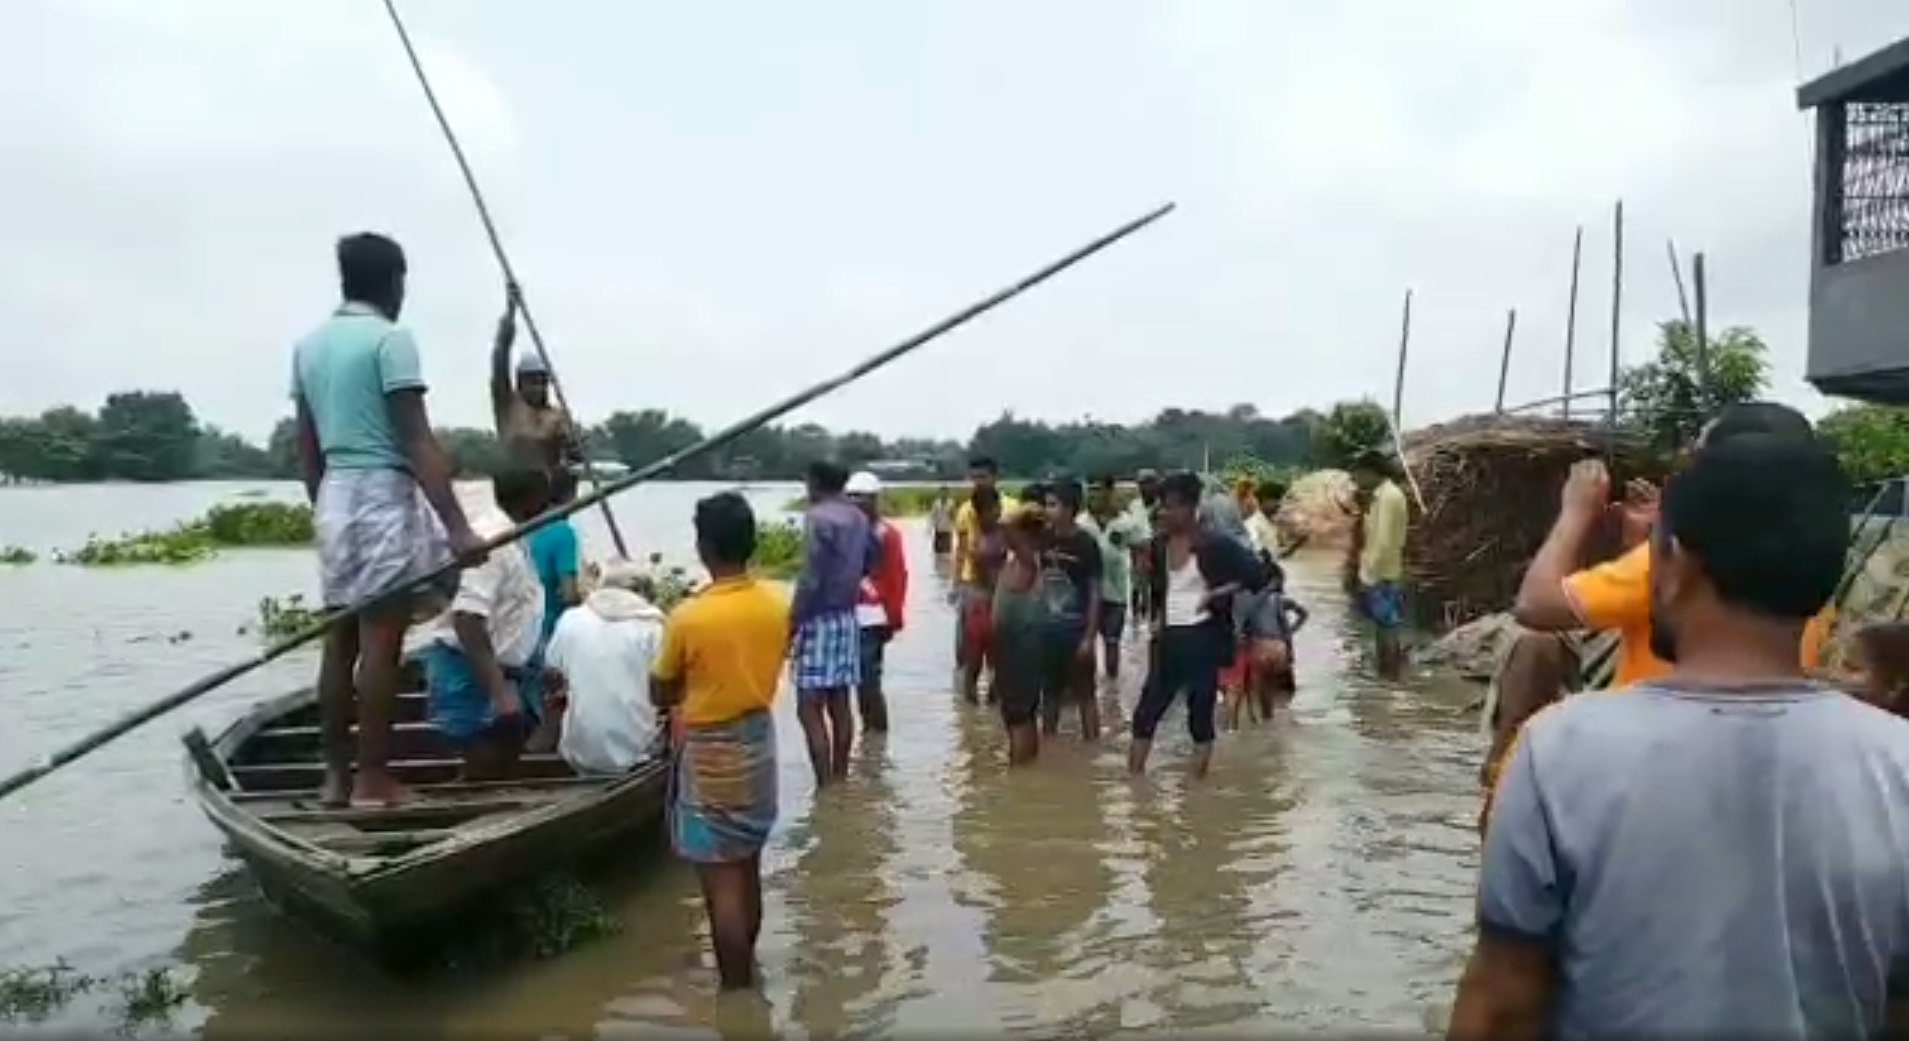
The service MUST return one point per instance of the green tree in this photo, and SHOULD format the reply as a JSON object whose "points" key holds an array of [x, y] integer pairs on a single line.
{"points": [[1871, 440], [1353, 427], [147, 436], [1667, 399]]}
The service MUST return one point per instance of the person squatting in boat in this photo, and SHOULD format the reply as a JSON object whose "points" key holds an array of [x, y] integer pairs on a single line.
{"points": [[597, 675], [384, 514], [718, 670], [483, 664]]}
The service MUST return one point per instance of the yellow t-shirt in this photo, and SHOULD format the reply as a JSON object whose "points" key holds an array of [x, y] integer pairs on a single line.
{"points": [[1382, 553], [965, 531], [1616, 595], [726, 644]]}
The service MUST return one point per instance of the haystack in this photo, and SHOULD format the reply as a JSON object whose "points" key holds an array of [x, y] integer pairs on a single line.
{"points": [[1491, 487], [1319, 508]]}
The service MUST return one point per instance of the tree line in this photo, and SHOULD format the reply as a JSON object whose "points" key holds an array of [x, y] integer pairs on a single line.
{"points": [[154, 435]]}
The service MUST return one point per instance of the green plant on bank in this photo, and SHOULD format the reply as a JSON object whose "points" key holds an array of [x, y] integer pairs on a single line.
{"points": [[280, 618], [17, 555], [666, 589], [778, 549], [247, 524], [902, 500], [34, 994], [1871, 440]]}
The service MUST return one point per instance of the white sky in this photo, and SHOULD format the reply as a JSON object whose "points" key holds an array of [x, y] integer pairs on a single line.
{"points": [[714, 204]]}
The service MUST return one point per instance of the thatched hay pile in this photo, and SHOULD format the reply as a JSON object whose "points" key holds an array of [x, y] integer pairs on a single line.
{"points": [[1319, 508], [1491, 488]]}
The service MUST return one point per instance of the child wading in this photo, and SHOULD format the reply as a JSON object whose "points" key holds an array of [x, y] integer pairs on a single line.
{"points": [[718, 669]]}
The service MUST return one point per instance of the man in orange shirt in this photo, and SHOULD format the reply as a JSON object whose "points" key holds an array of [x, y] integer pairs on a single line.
{"points": [[1555, 596]]}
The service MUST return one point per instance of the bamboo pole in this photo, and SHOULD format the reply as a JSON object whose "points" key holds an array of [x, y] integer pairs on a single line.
{"points": [[517, 298], [1504, 359], [1617, 304], [1571, 319]]}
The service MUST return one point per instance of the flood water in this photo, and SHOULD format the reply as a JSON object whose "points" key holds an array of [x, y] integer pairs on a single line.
{"points": [[1319, 880]]}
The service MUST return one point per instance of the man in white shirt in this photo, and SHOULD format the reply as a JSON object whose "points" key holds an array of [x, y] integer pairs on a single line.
{"points": [[598, 661], [482, 666]]}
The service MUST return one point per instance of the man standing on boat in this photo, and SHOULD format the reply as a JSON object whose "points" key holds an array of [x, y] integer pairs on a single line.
{"points": [[383, 510], [534, 431]]}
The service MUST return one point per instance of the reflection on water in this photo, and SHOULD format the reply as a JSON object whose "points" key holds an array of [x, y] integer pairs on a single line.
{"points": [[1320, 879]]}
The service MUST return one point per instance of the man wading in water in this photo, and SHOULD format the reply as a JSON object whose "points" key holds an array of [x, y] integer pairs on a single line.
{"points": [[839, 550], [1197, 573], [1718, 852], [1071, 569], [383, 510], [982, 473], [534, 431], [1019, 620], [718, 669]]}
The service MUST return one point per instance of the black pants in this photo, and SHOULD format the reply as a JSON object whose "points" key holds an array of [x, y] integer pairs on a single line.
{"points": [[1062, 673], [1187, 658], [869, 698]]}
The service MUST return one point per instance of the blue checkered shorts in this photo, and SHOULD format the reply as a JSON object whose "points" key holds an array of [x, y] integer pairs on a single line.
{"points": [[828, 654]]}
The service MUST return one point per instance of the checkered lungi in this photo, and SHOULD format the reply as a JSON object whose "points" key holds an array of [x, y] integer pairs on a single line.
{"points": [[828, 653]]}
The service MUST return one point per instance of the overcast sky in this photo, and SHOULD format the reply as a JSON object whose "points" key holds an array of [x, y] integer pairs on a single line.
{"points": [[714, 204]]}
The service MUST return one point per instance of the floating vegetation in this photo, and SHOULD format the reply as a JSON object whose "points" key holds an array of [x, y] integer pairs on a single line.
{"points": [[182, 545], [36, 994], [148, 998], [17, 555], [248, 524], [258, 524], [778, 549], [666, 589], [903, 500], [553, 915], [280, 618]]}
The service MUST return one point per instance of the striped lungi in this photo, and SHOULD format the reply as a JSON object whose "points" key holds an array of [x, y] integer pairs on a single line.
{"points": [[828, 653], [723, 789]]}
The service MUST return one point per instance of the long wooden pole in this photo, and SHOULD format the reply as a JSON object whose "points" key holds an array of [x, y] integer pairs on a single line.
{"points": [[1701, 329], [140, 717], [1395, 419], [1398, 377], [1504, 359], [1617, 304], [516, 289], [1677, 276], [1571, 319]]}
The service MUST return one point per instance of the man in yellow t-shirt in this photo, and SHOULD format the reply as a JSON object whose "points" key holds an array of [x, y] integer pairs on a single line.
{"points": [[719, 668], [1382, 556], [983, 472]]}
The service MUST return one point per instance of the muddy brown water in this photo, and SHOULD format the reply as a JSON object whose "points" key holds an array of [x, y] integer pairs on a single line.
{"points": [[1319, 880]]}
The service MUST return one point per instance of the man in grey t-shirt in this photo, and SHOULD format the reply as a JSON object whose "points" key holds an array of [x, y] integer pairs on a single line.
{"points": [[1725, 852]]}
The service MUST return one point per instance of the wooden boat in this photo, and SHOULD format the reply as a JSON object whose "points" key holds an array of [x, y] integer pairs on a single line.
{"points": [[383, 878]]}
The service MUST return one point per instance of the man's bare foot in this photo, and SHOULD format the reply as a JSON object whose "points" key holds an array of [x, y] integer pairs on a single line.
{"points": [[379, 793], [335, 793]]}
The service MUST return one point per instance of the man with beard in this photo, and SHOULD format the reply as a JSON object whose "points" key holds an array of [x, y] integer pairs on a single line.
{"points": [[1718, 851]]}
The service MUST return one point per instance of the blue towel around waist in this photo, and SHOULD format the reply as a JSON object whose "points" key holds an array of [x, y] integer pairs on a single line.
{"points": [[460, 706]]}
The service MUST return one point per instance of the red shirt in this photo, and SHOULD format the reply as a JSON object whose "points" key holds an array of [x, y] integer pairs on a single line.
{"points": [[887, 586]]}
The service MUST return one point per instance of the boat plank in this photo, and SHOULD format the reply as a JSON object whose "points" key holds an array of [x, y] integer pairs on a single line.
{"points": [[449, 789], [283, 776], [453, 811], [378, 843]]}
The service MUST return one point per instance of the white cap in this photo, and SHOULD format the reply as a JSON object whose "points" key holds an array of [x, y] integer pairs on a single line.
{"points": [[618, 573], [863, 483]]}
